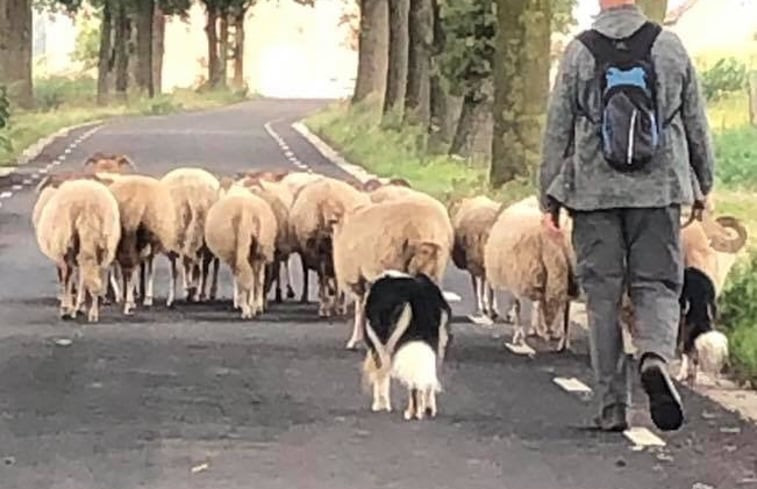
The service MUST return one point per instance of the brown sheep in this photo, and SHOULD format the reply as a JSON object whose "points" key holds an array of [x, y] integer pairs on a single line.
{"points": [[109, 163], [193, 191], [522, 257], [317, 207], [148, 228], [405, 235], [472, 220], [241, 230], [79, 227]]}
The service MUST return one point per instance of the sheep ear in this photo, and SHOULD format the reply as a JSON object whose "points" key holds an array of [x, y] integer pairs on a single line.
{"points": [[226, 183], [94, 158], [123, 160]]}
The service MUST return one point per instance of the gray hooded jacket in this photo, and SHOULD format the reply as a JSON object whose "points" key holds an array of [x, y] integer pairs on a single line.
{"points": [[580, 178]]}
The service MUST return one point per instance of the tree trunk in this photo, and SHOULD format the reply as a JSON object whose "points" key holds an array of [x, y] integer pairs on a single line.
{"points": [[16, 50], [158, 48], [372, 48], [753, 98], [438, 96], [521, 77], [104, 62], [396, 74], [212, 35], [223, 49], [417, 96], [239, 49], [121, 37], [654, 9], [467, 125], [145, 18]]}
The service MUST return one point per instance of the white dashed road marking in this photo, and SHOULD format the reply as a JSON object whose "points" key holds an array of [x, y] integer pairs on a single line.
{"points": [[451, 296], [523, 349], [27, 181], [6, 195], [288, 153], [572, 384], [642, 437], [17, 187], [481, 320]]}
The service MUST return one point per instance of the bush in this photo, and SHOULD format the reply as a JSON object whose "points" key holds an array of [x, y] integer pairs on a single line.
{"points": [[727, 75], [5, 115], [736, 152], [53, 92], [738, 313]]}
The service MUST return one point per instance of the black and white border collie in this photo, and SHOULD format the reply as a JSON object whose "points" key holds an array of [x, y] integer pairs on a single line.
{"points": [[407, 334], [702, 346]]}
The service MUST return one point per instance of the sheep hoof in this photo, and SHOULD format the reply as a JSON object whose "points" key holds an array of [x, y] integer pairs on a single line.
{"points": [[148, 301], [352, 344], [376, 407], [408, 414], [278, 298], [430, 412], [93, 317], [290, 292]]}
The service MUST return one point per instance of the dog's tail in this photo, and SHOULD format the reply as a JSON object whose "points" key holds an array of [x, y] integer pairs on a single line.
{"points": [[712, 352], [383, 351]]}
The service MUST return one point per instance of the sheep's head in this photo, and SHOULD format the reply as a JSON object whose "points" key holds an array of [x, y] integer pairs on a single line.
{"points": [[57, 179], [727, 234], [109, 163], [266, 175]]}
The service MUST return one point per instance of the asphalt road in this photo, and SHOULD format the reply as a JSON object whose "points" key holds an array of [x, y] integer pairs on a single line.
{"points": [[276, 402]]}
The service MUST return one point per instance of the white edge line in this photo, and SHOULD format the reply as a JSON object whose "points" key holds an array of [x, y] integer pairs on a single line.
{"points": [[521, 349], [642, 437], [451, 296], [572, 384]]}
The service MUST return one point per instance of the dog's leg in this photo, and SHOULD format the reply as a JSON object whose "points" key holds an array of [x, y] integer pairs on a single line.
{"points": [[357, 328], [386, 402], [376, 406], [693, 368]]}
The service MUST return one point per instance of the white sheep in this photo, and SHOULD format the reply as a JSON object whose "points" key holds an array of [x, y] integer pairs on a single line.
{"points": [[241, 230], [193, 191], [317, 207], [472, 220], [521, 256], [79, 226], [406, 235]]}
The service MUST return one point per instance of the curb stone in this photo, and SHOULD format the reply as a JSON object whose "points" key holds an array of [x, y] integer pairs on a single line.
{"points": [[35, 149]]}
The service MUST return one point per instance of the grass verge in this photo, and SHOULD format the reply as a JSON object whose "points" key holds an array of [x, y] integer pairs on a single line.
{"points": [[388, 152], [63, 102]]}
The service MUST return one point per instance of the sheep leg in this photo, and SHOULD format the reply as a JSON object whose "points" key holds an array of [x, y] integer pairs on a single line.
{"points": [[359, 325], [94, 309], [114, 275], [149, 282], [290, 279], [259, 278], [245, 300], [142, 281], [477, 283], [490, 300], [172, 282], [65, 273], [564, 343], [519, 335], [683, 372], [204, 265], [214, 282], [129, 303], [277, 264], [305, 281], [235, 293], [80, 296]]}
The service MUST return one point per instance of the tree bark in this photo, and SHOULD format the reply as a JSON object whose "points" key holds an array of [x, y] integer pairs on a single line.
{"points": [[145, 18], [158, 48], [104, 63], [239, 49], [212, 35], [654, 9], [121, 37], [223, 48], [417, 96], [372, 49], [467, 125], [521, 77], [396, 73], [16, 50], [438, 96]]}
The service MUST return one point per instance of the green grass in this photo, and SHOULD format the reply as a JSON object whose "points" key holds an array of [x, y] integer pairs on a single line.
{"points": [[63, 102], [387, 152]]}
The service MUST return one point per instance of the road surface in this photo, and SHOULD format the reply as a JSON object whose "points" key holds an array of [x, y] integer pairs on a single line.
{"points": [[195, 398]]}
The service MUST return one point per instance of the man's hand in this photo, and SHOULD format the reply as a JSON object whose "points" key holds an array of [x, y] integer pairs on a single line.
{"points": [[549, 221], [697, 210]]}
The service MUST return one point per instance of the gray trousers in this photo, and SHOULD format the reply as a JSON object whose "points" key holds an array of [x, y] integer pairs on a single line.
{"points": [[640, 248]]}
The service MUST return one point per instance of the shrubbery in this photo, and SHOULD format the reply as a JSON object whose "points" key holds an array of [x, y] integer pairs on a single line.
{"points": [[726, 76]]}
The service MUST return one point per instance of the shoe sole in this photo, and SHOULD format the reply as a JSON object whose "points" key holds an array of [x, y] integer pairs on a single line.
{"points": [[664, 405]]}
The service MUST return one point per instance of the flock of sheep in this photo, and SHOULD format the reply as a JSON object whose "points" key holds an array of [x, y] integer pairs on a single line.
{"points": [[106, 224]]}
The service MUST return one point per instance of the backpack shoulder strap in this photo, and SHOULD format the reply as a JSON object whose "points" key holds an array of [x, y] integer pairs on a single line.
{"points": [[600, 46], [641, 41]]}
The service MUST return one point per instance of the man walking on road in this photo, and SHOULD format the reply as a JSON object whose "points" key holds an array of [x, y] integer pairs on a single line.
{"points": [[626, 144]]}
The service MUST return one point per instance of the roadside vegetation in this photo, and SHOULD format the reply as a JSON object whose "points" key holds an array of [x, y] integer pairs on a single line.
{"points": [[436, 145]]}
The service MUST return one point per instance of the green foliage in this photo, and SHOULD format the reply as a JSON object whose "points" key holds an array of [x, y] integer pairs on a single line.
{"points": [[469, 27], [87, 43], [738, 314], [727, 75], [562, 15], [736, 152], [5, 115], [53, 92]]}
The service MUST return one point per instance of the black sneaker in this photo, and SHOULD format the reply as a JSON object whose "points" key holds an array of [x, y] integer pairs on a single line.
{"points": [[664, 401]]}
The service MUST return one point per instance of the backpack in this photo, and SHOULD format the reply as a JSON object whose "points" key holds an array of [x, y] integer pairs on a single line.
{"points": [[629, 118]]}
